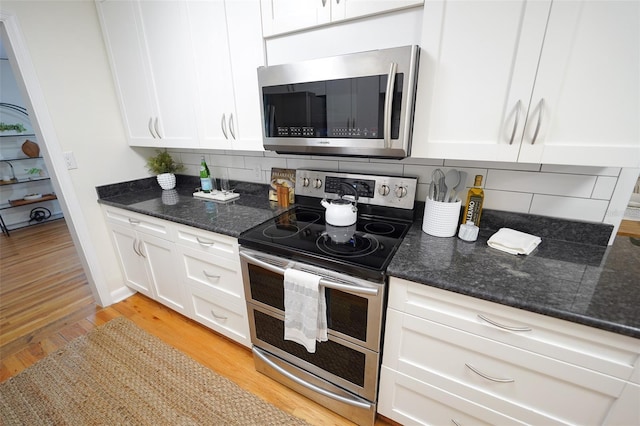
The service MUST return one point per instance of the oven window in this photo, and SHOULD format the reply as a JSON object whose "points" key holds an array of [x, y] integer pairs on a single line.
{"points": [[330, 356], [346, 313], [266, 287], [342, 108]]}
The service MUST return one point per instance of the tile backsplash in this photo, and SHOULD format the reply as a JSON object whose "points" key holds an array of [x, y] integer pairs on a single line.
{"points": [[590, 194]]}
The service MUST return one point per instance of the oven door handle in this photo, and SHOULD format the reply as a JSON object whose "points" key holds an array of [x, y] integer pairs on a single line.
{"points": [[323, 281], [259, 353]]}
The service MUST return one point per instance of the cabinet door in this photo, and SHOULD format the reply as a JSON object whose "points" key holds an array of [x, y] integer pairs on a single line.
{"points": [[168, 49], [124, 43], [477, 67], [161, 261], [215, 100], [585, 106], [133, 264], [349, 9], [247, 54], [282, 16]]}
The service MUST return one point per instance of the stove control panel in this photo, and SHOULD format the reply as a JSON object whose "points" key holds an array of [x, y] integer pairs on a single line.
{"points": [[388, 191]]}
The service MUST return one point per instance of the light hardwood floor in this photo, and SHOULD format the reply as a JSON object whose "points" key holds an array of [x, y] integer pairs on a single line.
{"points": [[44, 305]]}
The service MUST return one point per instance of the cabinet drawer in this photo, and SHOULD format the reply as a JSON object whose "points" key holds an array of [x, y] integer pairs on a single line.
{"points": [[208, 242], [210, 272], [226, 315], [423, 349], [588, 347], [140, 222], [410, 401]]}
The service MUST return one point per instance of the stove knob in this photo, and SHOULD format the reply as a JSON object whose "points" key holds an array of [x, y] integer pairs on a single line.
{"points": [[317, 183], [384, 190], [401, 191], [305, 182]]}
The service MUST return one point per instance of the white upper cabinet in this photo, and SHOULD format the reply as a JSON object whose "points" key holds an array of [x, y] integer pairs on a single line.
{"points": [[284, 16], [246, 48], [228, 49], [216, 109], [185, 71], [587, 87], [530, 81], [150, 60]]}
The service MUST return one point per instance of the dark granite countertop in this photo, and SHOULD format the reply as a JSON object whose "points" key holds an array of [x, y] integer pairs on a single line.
{"points": [[586, 283], [230, 218], [572, 275]]}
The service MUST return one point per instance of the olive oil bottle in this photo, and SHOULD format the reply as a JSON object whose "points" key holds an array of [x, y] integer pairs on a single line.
{"points": [[475, 199]]}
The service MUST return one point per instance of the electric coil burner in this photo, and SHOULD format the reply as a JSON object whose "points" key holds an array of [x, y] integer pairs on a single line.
{"points": [[351, 261]]}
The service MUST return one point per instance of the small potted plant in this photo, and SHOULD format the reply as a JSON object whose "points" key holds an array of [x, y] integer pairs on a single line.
{"points": [[163, 165]]}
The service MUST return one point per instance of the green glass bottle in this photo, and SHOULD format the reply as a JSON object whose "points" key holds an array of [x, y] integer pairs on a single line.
{"points": [[205, 177]]}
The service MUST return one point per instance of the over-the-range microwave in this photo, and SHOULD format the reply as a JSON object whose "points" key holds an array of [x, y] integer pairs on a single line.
{"points": [[359, 104]]}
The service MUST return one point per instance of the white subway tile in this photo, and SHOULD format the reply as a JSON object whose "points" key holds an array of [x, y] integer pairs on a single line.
{"points": [[308, 163], [604, 187], [541, 183], [507, 201], [569, 207], [415, 161], [492, 165], [581, 170], [265, 163], [371, 168], [422, 191], [423, 173]]}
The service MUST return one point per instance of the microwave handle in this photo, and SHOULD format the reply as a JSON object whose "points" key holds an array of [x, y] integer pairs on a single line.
{"points": [[388, 103], [323, 282]]}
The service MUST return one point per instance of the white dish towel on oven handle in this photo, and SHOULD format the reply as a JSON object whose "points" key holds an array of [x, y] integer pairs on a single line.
{"points": [[305, 309]]}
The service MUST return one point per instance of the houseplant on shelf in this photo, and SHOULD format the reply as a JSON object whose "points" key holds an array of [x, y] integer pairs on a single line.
{"points": [[163, 165]]}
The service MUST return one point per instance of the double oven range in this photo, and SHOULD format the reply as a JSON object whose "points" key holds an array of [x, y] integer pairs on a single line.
{"points": [[343, 372]]}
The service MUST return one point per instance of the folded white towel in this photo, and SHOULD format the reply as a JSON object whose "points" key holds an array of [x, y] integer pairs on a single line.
{"points": [[305, 309], [513, 242]]}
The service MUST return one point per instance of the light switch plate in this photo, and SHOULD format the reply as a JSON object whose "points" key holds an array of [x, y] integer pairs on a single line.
{"points": [[70, 160]]}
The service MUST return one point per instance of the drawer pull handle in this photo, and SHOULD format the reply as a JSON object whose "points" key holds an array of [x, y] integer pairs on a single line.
{"points": [[505, 327], [205, 243], [134, 221], [218, 317], [217, 277], [486, 376], [140, 249]]}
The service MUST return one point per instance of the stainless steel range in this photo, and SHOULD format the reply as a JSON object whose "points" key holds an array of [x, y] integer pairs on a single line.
{"points": [[351, 261]]}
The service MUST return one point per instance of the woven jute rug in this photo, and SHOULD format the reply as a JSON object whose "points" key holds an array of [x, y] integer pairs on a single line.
{"points": [[118, 374]]}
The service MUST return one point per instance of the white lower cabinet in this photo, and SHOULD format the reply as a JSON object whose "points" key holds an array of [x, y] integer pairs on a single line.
{"points": [[214, 288], [454, 359], [194, 272], [146, 252]]}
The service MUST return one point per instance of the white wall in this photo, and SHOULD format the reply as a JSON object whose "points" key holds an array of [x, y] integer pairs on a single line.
{"points": [[64, 43]]}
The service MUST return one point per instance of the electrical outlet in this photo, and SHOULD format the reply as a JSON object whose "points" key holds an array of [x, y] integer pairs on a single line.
{"points": [[257, 173], [70, 160]]}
